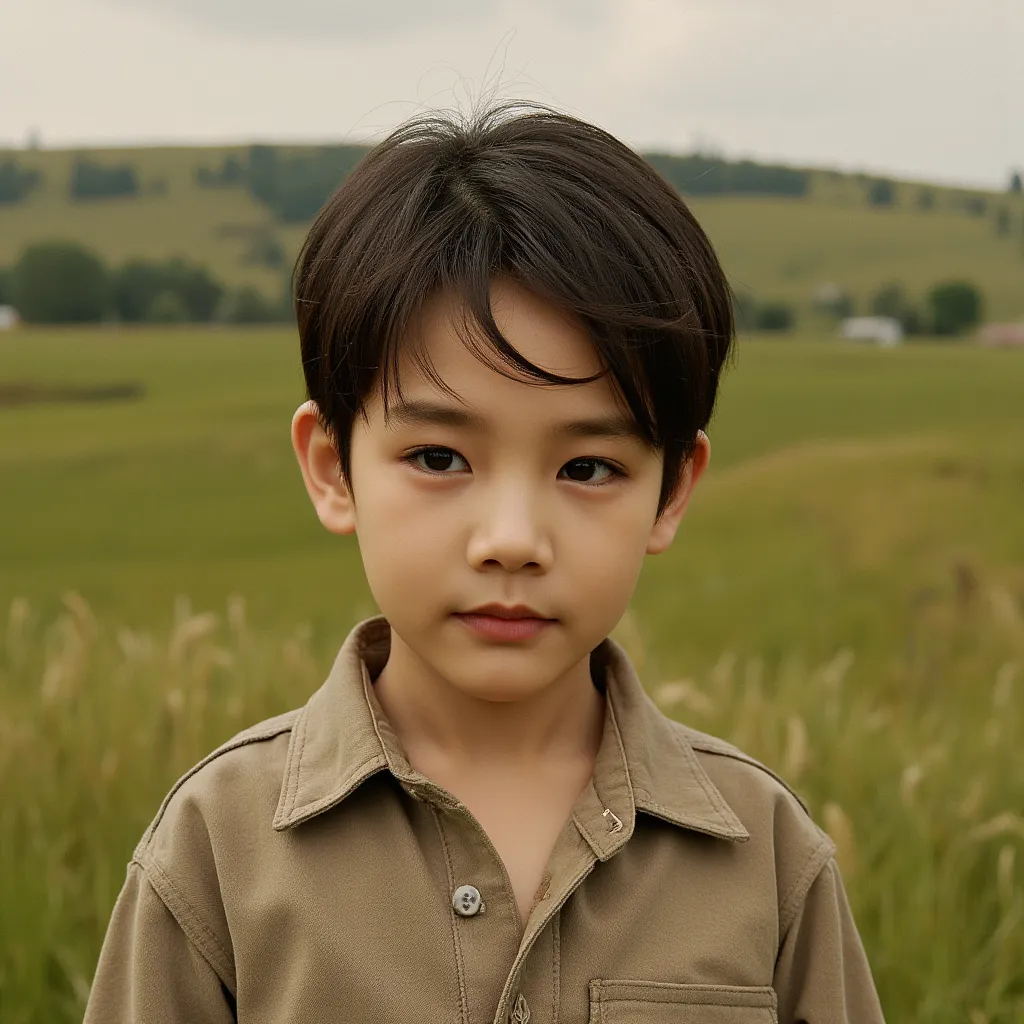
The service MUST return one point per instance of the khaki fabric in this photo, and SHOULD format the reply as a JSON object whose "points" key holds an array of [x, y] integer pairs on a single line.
{"points": [[304, 872]]}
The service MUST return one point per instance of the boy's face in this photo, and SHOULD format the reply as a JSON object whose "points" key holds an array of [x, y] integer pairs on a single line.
{"points": [[510, 510]]}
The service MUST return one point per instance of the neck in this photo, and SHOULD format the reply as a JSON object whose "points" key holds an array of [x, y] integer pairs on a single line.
{"points": [[438, 724]]}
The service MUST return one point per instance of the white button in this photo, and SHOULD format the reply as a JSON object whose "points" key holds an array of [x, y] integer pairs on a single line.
{"points": [[466, 900]]}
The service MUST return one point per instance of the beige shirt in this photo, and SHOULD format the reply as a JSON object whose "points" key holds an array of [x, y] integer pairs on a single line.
{"points": [[305, 872]]}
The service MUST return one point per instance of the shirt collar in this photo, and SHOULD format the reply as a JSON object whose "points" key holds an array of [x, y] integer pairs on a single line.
{"points": [[341, 737]]}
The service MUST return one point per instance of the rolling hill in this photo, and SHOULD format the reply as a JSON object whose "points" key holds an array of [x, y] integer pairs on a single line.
{"points": [[781, 246]]}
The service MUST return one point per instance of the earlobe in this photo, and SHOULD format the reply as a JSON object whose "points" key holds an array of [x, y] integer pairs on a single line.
{"points": [[318, 462], [664, 530]]}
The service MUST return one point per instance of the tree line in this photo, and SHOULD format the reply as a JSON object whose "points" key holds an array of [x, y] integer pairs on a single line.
{"points": [[63, 283], [948, 308]]}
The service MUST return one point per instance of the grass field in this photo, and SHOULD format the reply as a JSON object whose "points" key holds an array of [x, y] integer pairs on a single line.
{"points": [[776, 248], [844, 599]]}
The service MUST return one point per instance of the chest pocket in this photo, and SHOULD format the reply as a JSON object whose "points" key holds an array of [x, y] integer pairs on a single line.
{"points": [[662, 1002]]}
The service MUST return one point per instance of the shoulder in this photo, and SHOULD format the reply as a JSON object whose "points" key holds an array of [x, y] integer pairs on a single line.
{"points": [[240, 778], [783, 835]]}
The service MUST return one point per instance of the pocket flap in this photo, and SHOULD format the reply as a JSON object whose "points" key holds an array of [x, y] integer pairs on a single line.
{"points": [[665, 1002]]}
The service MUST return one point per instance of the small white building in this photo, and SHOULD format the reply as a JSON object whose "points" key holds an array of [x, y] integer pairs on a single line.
{"points": [[8, 318], [883, 330]]}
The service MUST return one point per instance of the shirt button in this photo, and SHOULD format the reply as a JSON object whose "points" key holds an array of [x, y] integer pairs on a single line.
{"points": [[520, 1013], [466, 900]]}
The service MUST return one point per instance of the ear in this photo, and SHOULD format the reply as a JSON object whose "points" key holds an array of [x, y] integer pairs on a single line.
{"points": [[664, 530], [321, 472]]}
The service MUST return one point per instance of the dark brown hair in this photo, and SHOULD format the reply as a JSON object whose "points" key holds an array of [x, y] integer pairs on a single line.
{"points": [[557, 205]]}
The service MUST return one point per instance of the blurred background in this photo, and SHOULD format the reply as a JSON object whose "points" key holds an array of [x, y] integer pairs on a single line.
{"points": [[845, 598]]}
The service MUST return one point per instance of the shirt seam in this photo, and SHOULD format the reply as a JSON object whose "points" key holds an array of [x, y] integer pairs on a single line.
{"points": [[797, 892], [242, 740], [196, 930], [723, 750], [556, 952]]}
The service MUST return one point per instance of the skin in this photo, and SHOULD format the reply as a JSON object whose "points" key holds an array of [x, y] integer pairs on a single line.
{"points": [[510, 515]]}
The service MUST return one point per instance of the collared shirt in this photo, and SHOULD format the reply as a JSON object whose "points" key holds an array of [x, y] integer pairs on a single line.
{"points": [[305, 872]]}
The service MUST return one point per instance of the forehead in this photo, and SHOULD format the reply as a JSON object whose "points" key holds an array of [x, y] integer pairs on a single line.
{"points": [[446, 337]]}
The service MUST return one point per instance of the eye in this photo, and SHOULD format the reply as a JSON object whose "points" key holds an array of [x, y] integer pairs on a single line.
{"points": [[437, 461], [585, 463], [440, 457]]}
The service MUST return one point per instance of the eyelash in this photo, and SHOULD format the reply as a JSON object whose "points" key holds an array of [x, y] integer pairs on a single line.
{"points": [[413, 455]]}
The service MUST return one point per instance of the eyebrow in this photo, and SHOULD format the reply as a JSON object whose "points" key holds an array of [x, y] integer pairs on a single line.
{"points": [[422, 413]]}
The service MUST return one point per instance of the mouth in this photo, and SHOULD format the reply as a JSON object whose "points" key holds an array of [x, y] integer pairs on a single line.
{"points": [[507, 612], [504, 628]]}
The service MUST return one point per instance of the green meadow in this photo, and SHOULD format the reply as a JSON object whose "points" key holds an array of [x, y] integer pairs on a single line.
{"points": [[845, 599]]}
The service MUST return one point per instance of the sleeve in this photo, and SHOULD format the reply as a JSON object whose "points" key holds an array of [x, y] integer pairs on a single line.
{"points": [[822, 974], [149, 970]]}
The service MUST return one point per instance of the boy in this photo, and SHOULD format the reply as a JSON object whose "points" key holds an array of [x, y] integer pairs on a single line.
{"points": [[512, 333]]}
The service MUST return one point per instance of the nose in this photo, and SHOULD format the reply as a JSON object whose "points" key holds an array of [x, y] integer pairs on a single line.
{"points": [[510, 529]]}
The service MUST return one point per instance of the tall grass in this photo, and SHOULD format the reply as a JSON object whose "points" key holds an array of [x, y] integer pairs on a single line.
{"points": [[919, 779]]}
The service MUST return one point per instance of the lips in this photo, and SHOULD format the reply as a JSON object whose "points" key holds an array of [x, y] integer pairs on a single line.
{"points": [[499, 611]]}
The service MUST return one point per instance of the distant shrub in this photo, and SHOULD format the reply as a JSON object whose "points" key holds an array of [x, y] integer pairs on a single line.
{"points": [[700, 174], [16, 182], [167, 307], [974, 206], [743, 309], [891, 301], [1016, 185], [296, 185], [954, 306], [60, 282], [881, 192], [265, 250], [774, 316], [95, 181], [231, 172], [138, 284], [248, 305], [834, 301], [925, 199], [1003, 221]]}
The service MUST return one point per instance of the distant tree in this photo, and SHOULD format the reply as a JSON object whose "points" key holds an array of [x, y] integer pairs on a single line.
{"points": [[954, 306], [925, 199], [60, 282], [95, 181], [231, 172], [16, 182], [774, 316], [139, 284], [265, 251], [881, 192], [743, 309], [248, 305], [891, 301], [1016, 183], [167, 307], [974, 206], [199, 290], [135, 285], [707, 174], [1003, 221], [834, 301], [296, 185]]}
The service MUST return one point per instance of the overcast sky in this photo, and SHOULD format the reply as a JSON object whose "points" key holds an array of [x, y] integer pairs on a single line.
{"points": [[922, 88]]}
